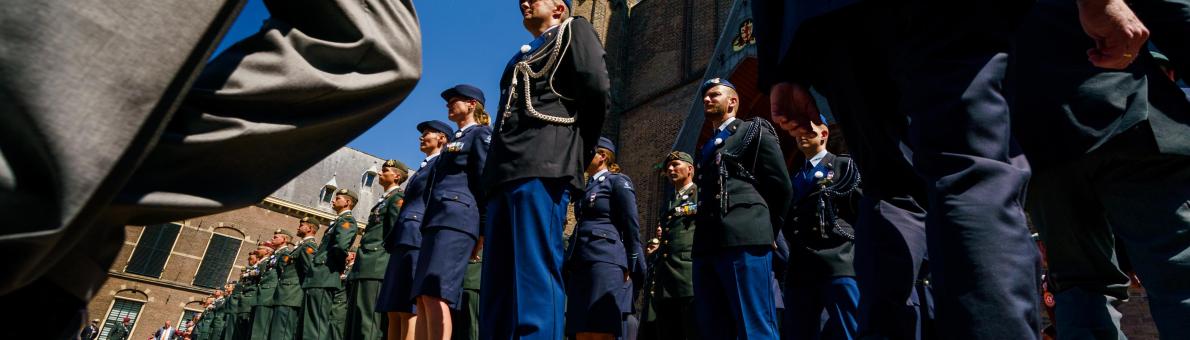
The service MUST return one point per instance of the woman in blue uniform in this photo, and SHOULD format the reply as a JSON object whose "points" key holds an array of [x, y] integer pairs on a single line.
{"points": [[405, 242], [450, 231], [604, 250]]}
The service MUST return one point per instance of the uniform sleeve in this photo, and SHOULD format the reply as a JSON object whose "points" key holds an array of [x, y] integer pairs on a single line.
{"points": [[345, 235], [475, 164], [590, 84], [391, 219], [326, 68], [624, 217], [304, 258], [772, 176]]}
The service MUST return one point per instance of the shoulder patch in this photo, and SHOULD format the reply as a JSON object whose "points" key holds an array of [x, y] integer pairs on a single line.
{"points": [[309, 250], [346, 225], [400, 203]]}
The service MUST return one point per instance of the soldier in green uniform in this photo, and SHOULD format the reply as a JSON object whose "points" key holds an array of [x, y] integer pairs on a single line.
{"points": [[251, 294], [262, 309], [671, 289], [120, 332], [371, 259], [217, 311], [232, 327], [202, 328], [288, 299], [325, 262], [466, 317]]}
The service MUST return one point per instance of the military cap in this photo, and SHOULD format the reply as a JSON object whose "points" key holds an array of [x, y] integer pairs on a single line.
{"points": [[348, 193], [392, 163], [568, 4], [307, 219], [1161, 59], [678, 155], [605, 143], [263, 244], [280, 231], [464, 90], [437, 125], [716, 81]]}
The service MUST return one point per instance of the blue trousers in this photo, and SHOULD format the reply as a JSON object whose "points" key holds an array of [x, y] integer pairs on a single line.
{"points": [[806, 299], [521, 295], [733, 294]]}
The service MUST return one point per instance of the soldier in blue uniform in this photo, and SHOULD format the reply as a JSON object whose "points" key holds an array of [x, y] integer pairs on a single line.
{"points": [[819, 230], [603, 251], [916, 87], [405, 241], [553, 99], [745, 192], [451, 230]]}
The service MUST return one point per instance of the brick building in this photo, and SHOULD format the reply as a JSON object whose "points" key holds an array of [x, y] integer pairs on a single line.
{"points": [[164, 271]]}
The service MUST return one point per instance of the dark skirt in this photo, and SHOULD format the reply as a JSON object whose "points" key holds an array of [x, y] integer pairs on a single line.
{"points": [[595, 298], [442, 264], [398, 282]]}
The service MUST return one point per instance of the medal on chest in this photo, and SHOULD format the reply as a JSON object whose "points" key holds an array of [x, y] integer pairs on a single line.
{"points": [[454, 147]]}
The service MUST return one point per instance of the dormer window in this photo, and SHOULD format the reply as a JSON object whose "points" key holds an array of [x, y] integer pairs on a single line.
{"points": [[369, 177], [328, 190]]}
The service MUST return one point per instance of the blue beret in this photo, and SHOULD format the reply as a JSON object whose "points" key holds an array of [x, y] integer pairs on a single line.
{"points": [[436, 125], [607, 144], [568, 5], [464, 90], [715, 81]]}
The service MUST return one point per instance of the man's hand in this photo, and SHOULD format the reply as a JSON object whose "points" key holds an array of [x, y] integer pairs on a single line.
{"points": [[1118, 33], [792, 108], [477, 251]]}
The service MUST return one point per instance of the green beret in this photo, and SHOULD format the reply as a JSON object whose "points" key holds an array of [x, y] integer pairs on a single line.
{"points": [[681, 156], [280, 231], [348, 193], [392, 163]]}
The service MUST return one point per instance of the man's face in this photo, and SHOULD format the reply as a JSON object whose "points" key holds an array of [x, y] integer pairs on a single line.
{"points": [[678, 171], [807, 142], [431, 140], [340, 202], [166, 324], [278, 240], [537, 10], [457, 108], [389, 176], [305, 229], [718, 101]]}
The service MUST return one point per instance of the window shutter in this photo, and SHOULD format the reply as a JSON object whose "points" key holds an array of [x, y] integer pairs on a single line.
{"points": [[153, 249], [120, 309], [217, 261]]}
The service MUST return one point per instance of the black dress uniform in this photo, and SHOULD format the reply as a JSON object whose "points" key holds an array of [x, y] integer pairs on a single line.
{"points": [[819, 231], [1110, 151], [671, 288], [404, 243], [745, 193], [452, 222], [603, 249], [545, 135]]}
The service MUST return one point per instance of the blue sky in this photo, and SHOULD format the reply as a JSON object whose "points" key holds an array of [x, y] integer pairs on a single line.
{"points": [[463, 41]]}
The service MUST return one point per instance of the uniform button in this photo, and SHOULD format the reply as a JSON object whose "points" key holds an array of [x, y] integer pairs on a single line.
{"points": [[665, 255]]}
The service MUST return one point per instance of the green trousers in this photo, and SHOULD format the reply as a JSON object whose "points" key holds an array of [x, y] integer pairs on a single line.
{"points": [[466, 318], [284, 325], [317, 320], [363, 322], [262, 320], [243, 326], [338, 313]]}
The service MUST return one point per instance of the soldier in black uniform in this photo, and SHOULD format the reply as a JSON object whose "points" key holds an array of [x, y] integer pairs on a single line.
{"points": [[745, 193], [553, 99], [821, 239]]}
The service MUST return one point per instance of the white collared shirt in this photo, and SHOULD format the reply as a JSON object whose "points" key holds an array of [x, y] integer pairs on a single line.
{"points": [[389, 192], [724, 125], [598, 176], [685, 188], [344, 212], [464, 128], [817, 158]]}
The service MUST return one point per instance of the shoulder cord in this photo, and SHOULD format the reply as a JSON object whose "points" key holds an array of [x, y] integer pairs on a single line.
{"points": [[826, 205], [526, 74]]}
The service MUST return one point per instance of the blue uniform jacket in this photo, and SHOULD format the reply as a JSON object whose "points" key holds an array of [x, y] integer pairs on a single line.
{"points": [[455, 183], [408, 231], [607, 229]]}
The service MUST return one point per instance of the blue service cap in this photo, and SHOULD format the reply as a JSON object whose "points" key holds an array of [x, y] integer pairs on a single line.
{"points": [[464, 90], [605, 143], [715, 81], [436, 125]]}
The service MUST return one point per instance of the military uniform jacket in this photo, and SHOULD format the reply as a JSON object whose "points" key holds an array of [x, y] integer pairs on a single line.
{"points": [[218, 308], [454, 185], [745, 187], [607, 229], [329, 260], [408, 232], [818, 227], [526, 146], [289, 285], [248, 292], [119, 332], [267, 281], [673, 266], [371, 259]]}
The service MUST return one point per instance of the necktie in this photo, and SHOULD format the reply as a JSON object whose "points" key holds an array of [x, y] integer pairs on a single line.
{"points": [[708, 149]]}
